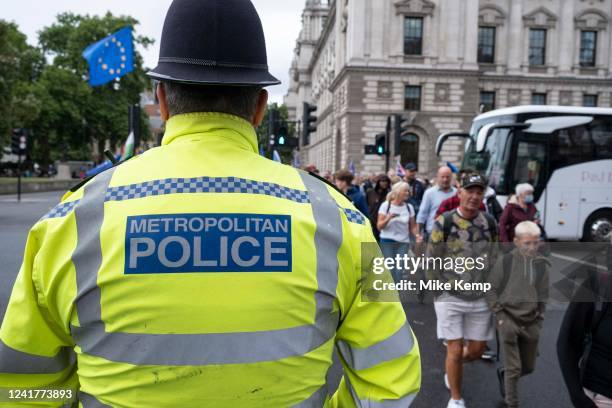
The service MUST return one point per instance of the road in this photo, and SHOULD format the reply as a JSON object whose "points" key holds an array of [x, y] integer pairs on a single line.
{"points": [[543, 388]]}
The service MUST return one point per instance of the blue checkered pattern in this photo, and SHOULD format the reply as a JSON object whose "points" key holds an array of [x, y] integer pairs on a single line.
{"points": [[202, 185], [354, 216], [205, 185], [61, 210]]}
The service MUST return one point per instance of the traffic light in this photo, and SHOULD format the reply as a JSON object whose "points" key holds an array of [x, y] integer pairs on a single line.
{"points": [[281, 135], [19, 143], [381, 144], [272, 125], [401, 126], [308, 122]]}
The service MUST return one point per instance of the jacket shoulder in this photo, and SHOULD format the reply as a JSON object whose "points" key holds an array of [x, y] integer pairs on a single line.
{"points": [[329, 183]]}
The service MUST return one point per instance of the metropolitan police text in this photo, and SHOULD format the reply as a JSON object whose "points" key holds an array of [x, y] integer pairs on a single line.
{"points": [[208, 243]]}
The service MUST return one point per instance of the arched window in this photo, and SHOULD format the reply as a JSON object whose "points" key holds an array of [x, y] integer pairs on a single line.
{"points": [[409, 148]]}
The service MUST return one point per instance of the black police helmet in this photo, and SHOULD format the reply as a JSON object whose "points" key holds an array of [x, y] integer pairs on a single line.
{"points": [[213, 42]]}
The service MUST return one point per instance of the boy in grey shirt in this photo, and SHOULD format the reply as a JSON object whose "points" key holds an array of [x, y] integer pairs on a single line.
{"points": [[518, 296]]}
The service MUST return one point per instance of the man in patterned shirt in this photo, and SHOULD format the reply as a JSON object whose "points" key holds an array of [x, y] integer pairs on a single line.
{"points": [[464, 319]]}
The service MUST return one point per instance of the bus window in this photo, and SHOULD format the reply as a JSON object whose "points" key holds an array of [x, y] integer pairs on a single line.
{"points": [[601, 133], [571, 146], [499, 153], [530, 163]]}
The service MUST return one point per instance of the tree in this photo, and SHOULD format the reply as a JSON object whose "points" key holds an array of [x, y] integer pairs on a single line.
{"points": [[20, 66], [72, 114]]}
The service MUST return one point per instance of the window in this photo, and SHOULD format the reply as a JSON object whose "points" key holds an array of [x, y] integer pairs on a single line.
{"points": [[570, 146], [588, 48], [530, 163], [487, 101], [486, 45], [581, 144], [537, 46], [413, 35], [589, 101], [412, 98], [538, 99], [409, 148]]}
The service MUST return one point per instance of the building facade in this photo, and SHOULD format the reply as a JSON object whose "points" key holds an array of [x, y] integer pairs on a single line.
{"points": [[439, 63]]}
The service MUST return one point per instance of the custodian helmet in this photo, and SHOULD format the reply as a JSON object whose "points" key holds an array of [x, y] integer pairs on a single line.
{"points": [[213, 42]]}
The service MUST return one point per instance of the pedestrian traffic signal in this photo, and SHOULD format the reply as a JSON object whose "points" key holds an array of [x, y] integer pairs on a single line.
{"points": [[308, 122], [381, 144], [401, 124], [19, 143]]}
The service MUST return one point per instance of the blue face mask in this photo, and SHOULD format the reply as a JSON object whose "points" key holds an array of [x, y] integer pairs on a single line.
{"points": [[528, 199]]}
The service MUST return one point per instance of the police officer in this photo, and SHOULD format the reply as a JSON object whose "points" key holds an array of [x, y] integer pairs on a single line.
{"points": [[200, 274]]}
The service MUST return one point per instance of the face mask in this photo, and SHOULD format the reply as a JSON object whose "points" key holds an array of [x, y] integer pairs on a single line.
{"points": [[528, 199]]}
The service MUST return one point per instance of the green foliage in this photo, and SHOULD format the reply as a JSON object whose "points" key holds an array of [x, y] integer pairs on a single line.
{"points": [[264, 129], [20, 65], [49, 93]]}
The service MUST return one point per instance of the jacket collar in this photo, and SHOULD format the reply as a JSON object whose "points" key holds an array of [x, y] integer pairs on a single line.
{"points": [[218, 127]]}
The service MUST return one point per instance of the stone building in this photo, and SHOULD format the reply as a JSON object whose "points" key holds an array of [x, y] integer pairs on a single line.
{"points": [[439, 62]]}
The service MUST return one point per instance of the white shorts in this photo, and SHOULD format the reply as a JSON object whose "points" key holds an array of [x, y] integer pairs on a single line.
{"points": [[463, 319]]}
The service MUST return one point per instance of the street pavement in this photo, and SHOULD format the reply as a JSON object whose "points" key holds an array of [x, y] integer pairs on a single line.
{"points": [[543, 388]]}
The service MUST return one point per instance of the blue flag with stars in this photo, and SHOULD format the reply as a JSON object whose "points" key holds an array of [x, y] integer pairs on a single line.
{"points": [[111, 57]]}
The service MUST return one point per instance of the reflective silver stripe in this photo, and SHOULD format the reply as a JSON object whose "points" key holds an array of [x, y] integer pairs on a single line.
{"points": [[316, 400], [398, 345], [403, 402], [17, 362], [203, 349], [207, 348], [89, 401], [87, 256], [327, 239]]}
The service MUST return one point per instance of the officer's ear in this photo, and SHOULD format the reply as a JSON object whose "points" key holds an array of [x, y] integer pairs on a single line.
{"points": [[262, 104], [160, 91]]}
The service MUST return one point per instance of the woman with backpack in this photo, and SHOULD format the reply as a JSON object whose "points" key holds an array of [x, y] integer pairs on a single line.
{"points": [[396, 221]]}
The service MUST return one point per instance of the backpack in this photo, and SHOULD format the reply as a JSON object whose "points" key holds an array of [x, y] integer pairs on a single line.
{"points": [[448, 223], [410, 213]]}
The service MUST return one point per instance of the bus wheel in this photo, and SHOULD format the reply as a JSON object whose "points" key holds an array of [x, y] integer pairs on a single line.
{"points": [[598, 227]]}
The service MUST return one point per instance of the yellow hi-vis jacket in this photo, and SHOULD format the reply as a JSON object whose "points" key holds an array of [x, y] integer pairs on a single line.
{"points": [[200, 274]]}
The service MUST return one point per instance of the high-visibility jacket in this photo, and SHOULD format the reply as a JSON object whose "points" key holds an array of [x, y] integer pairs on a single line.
{"points": [[200, 274]]}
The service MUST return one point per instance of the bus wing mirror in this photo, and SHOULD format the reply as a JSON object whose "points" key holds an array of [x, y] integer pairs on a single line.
{"points": [[444, 136], [487, 130], [551, 124]]}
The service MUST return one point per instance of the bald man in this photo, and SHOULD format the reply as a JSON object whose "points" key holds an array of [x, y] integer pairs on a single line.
{"points": [[432, 199]]}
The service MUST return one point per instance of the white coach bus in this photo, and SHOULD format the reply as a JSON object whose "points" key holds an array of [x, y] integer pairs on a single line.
{"points": [[564, 152]]}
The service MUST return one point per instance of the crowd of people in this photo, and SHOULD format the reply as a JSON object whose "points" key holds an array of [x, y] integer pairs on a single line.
{"points": [[459, 215]]}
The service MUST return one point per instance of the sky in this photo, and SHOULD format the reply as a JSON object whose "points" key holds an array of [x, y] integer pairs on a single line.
{"points": [[281, 20]]}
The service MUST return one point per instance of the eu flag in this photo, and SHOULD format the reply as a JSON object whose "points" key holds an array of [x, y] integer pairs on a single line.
{"points": [[111, 57]]}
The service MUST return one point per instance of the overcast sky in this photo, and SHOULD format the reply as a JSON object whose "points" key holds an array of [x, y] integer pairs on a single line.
{"points": [[280, 18]]}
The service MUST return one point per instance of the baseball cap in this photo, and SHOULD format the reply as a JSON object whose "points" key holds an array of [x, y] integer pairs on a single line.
{"points": [[473, 179]]}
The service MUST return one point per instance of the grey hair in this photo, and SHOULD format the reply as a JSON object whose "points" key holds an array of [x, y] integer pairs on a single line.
{"points": [[234, 100], [522, 188], [527, 228]]}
